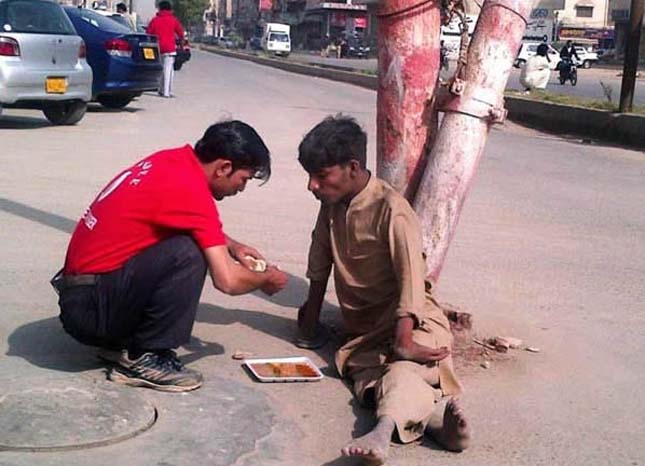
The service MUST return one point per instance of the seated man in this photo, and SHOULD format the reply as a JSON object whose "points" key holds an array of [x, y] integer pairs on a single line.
{"points": [[137, 261], [397, 357]]}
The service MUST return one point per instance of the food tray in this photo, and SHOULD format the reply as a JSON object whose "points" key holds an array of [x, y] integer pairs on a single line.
{"points": [[294, 369]]}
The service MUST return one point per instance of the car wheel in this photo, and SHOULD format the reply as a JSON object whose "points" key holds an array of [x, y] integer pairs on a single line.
{"points": [[65, 113], [115, 101], [519, 63], [586, 64]]}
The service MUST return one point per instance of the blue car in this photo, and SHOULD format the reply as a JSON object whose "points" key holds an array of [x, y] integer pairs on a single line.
{"points": [[124, 63]]}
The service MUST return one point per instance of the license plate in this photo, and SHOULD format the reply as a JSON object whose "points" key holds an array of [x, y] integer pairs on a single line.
{"points": [[56, 85], [148, 53]]}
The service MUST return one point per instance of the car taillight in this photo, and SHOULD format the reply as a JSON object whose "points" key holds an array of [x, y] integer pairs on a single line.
{"points": [[9, 47], [82, 50], [118, 48]]}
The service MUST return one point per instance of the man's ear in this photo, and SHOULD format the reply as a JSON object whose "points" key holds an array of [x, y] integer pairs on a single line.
{"points": [[354, 167], [223, 167]]}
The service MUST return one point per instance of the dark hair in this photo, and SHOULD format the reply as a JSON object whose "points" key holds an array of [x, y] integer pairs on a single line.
{"points": [[336, 140], [121, 7], [165, 5], [542, 50], [238, 142]]}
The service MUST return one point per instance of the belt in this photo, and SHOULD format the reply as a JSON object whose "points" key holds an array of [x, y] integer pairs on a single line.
{"points": [[62, 282]]}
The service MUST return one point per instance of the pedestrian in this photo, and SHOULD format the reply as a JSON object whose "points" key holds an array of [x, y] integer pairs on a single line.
{"points": [[443, 56], [168, 29], [137, 260], [122, 9], [397, 356], [324, 46], [536, 72]]}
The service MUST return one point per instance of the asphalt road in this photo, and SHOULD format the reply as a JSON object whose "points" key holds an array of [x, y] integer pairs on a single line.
{"points": [[549, 249], [588, 79]]}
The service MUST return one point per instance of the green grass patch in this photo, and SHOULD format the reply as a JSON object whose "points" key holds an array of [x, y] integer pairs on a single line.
{"points": [[562, 99]]}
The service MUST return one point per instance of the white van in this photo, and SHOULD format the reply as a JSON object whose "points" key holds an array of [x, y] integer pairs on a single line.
{"points": [[276, 39]]}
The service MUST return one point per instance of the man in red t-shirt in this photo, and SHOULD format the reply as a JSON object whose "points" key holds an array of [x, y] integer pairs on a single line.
{"points": [[137, 260], [167, 28]]}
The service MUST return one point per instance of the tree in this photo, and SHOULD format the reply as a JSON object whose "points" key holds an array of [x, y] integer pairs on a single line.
{"points": [[190, 12]]}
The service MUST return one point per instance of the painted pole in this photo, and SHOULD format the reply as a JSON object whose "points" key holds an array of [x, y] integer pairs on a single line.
{"points": [[475, 104], [408, 70], [632, 44]]}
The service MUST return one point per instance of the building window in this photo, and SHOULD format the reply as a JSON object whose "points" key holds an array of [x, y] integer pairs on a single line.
{"points": [[584, 11]]}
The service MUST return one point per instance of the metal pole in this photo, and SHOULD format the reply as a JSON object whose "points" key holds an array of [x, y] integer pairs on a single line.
{"points": [[408, 70], [464, 129], [632, 45]]}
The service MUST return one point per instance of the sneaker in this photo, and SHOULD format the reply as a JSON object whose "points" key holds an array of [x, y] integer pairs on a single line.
{"points": [[160, 371]]}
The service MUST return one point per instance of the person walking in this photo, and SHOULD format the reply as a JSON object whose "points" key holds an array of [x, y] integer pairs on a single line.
{"points": [[167, 28]]}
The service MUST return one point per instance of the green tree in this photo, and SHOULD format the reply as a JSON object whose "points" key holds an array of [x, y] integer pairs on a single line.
{"points": [[190, 12]]}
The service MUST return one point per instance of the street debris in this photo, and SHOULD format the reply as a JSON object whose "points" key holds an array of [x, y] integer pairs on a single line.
{"points": [[485, 364], [238, 355], [532, 349], [503, 344]]}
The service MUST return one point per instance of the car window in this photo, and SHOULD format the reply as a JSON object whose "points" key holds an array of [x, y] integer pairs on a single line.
{"points": [[279, 37], [104, 23], [34, 16], [532, 48]]}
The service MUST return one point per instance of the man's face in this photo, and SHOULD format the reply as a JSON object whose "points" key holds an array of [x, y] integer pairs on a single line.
{"points": [[230, 184], [331, 185]]}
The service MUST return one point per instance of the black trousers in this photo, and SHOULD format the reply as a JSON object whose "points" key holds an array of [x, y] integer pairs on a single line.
{"points": [[148, 304]]}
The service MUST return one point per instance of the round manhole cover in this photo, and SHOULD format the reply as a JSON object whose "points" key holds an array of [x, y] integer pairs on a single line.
{"points": [[72, 415]]}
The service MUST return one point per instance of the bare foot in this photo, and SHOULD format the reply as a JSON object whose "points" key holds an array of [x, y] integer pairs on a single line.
{"points": [[451, 430], [373, 446], [459, 320]]}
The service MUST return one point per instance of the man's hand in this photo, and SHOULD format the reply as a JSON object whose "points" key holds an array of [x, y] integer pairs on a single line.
{"points": [[407, 349], [240, 252], [275, 280]]}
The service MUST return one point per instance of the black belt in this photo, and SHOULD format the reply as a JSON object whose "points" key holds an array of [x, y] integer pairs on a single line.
{"points": [[62, 282]]}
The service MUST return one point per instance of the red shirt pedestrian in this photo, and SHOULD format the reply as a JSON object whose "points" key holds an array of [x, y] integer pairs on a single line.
{"points": [[167, 28]]}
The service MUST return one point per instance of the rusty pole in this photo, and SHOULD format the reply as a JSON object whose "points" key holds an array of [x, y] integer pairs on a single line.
{"points": [[408, 70], [464, 129]]}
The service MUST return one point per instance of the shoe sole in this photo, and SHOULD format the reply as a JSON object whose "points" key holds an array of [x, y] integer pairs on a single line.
{"points": [[123, 379]]}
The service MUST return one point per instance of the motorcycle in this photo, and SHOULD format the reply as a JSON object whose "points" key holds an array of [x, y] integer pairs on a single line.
{"points": [[568, 71]]}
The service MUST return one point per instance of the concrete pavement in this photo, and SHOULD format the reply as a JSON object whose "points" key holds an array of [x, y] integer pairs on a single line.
{"points": [[549, 249]]}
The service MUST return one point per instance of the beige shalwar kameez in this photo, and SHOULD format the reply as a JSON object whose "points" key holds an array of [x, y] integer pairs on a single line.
{"points": [[374, 244]]}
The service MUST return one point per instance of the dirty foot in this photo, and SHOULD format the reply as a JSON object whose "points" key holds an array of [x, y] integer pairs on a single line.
{"points": [[451, 429], [374, 446]]}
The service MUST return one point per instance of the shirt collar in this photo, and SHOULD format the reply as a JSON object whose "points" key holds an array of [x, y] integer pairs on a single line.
{"points": [[364, 197]]}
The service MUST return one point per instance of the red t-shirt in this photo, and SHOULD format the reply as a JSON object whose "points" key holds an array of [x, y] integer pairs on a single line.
{"points": [[163, 195], [166, 27]]}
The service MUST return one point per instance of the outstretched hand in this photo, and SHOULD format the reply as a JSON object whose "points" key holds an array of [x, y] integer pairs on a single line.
{"points": [[240, 252]]}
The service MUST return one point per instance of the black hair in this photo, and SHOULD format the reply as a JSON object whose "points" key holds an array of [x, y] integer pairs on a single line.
{"points": [[238, 142], [121, 6], [165, 5], [542, 50], [336, 140]]}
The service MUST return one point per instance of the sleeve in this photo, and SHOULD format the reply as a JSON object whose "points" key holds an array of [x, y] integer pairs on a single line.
{"points": [[179, 30], [406, 252], [320, 254], [152, 27], [193, 212]]}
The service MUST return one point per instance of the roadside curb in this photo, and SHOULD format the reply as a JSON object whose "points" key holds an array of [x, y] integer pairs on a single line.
{"points": [[620, 128]]}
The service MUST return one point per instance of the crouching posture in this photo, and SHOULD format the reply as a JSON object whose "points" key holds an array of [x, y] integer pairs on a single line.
{"points": [[397, 357]]}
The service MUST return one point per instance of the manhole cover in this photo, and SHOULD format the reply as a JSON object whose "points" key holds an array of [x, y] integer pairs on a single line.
{"points": [[71, 415]]}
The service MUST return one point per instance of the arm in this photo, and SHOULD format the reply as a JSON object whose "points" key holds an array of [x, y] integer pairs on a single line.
{"points": [[239, 252], [179, 30], [235, 279], [407, 259]]}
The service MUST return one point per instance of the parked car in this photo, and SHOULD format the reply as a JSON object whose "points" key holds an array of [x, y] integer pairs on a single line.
{"points": [[125, 63], [354, 48], [528, 49], [587, 57], [42, 61], [183, 53]]}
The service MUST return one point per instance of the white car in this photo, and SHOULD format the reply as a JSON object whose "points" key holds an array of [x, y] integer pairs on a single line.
{"points": [[587, 57], [528, 49], [42, 61]]}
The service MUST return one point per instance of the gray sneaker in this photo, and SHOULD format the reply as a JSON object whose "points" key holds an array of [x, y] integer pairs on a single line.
{"points": [[161, 370]]}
